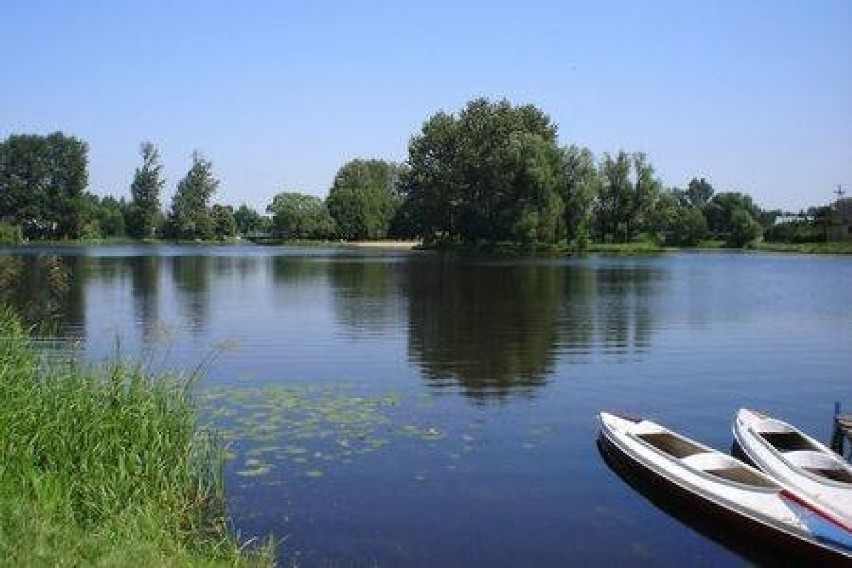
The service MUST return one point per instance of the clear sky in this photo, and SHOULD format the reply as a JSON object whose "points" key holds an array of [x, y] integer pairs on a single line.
{"points": [[756, 96]]}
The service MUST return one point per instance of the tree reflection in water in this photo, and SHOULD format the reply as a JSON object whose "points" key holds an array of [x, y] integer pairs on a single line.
{"points": [[491, 329], [46, 290], [497, 328]]}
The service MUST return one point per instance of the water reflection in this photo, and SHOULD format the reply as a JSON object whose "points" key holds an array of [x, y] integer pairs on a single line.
{"points": [[577, 314], [145, 291], [623, 307], [367, 294], [191, 275], [482, 327], [756, 551], [489, 329], [46, 290]]}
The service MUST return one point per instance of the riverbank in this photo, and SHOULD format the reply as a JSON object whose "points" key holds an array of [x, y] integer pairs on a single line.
{"points": [[105, 467], [621, 249], [837, 247], [394, 245]]}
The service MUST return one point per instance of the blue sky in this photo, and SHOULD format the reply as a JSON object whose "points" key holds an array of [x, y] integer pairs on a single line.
{"points": [[756, 96]]}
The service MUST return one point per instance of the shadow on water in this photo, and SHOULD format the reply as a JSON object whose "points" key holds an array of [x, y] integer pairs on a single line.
{"points": [[758, 552]]}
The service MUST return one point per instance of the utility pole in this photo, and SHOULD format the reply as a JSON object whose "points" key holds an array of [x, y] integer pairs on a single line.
{"points": [[839, 192]]}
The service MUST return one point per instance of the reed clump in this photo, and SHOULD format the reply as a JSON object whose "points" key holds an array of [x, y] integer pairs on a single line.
{"points": [[105, 466]]}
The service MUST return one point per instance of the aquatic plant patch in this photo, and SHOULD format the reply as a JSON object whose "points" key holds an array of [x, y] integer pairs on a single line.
{"points": [[299, 429], [278, 433]]}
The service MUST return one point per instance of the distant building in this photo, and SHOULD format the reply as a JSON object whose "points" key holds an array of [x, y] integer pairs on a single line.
{"points": [[841, 229], [792, 218]]}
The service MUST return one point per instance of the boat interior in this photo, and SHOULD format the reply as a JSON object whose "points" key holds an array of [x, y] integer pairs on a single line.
{"points": [[834, 474], [713, 463], [787, 441], [799, 451], [673, 445]]}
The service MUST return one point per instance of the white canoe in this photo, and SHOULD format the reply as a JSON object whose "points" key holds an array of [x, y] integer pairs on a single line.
{"points": [[730, 490], [794, 458]]}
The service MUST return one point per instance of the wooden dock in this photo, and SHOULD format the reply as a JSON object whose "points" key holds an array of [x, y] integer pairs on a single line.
{"points": [[841, 437]]}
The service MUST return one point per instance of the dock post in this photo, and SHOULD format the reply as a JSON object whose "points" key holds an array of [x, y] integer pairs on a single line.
{"points": [[841, 431], [836, 432]]}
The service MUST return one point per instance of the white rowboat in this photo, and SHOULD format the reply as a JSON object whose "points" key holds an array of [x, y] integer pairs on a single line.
{"points": [[795, 459], [730, 490]]}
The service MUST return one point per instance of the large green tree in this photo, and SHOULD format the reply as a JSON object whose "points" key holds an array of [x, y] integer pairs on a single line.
{"points": [[364, 199], [224, 224], [699, 192], [628, 192], [190, 216], [579, 189], [300, 216], [42, 179], [492, 172], [744, 228], [675, 222], [110, 217], [250, 221], [144, 212], [720, 211]]}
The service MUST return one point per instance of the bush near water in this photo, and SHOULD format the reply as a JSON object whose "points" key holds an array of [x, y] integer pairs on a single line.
{"points": [[104, 466]]}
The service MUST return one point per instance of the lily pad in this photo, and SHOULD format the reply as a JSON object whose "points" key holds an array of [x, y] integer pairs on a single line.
{"points": [[255, 472]]}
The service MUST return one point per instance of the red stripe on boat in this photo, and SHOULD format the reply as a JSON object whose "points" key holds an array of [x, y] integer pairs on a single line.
{"points": [[827, 515]]}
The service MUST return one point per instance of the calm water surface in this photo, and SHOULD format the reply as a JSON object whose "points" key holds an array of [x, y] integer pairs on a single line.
{"points": [[412, 409]]}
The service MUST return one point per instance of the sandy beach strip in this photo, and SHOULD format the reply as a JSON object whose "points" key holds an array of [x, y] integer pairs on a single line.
{"points": [[403, 245]]}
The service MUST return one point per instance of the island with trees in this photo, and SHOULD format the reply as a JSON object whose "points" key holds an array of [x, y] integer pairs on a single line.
{"points": [[491, 175]]}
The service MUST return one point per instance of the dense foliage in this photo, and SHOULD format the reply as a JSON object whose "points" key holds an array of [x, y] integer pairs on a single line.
{"points": [[249, 222], [42, 179], [364, 199], [628, 193], [190, 216], [491, 173], [299, 216], [144, 213]]}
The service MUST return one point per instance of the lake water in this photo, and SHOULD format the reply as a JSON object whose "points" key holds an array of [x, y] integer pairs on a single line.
{"points": [[413, 409]]}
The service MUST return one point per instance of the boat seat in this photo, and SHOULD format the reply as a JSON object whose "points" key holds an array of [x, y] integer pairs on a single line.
{"points": [[726, 467], [644, 427], [840, 475], [770, 426], [707, 461], [810, 459]]}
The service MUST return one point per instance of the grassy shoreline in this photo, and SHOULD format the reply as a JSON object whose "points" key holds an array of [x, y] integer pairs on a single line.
{"points": [[625, 249], [105, 467], [837, 247]]}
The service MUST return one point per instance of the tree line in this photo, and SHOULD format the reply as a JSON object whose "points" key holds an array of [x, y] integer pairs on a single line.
{"points": [[493, 172]]}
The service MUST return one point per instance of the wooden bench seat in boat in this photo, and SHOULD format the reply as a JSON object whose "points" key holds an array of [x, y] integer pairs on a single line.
{"points": [[725, 467]]}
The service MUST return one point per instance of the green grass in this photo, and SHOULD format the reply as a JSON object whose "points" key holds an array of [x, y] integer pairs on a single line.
{"points": [[641, 247], [118, 241], [711, 244], [836, 247], [105, 467]]}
